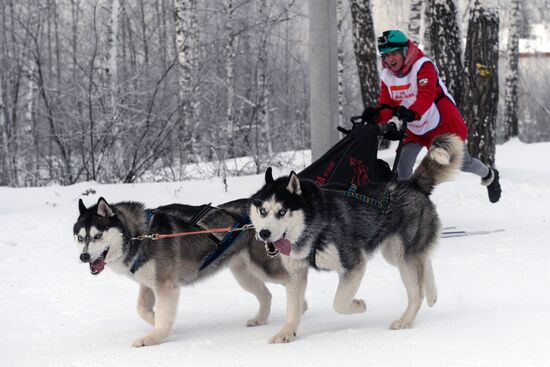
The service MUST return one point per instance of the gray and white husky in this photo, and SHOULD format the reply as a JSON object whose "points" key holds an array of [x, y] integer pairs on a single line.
{"points": [[338, 230], [104, 235]]}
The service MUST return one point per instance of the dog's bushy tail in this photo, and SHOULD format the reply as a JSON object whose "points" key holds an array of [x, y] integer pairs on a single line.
{"points": [[444, 157]]}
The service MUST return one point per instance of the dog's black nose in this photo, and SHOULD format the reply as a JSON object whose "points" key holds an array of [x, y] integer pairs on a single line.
{"points": [[265, 234], [85, 257]]}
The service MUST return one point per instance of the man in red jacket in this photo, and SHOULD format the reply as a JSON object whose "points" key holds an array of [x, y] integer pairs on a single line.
{"points": [[412, 88]]}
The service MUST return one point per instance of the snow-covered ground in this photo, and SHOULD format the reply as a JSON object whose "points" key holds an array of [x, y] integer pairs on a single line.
{"points": [[493, 307]]}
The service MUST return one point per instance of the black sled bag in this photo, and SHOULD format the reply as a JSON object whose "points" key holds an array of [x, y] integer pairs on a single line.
{"points": [[353, 160]]}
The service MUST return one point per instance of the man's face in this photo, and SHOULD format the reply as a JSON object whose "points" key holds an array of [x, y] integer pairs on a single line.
{"points": [[395, 60]]}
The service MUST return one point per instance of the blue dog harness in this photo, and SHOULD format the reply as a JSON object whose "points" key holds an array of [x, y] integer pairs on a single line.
{"points": [[226, 242], [221, 246]]}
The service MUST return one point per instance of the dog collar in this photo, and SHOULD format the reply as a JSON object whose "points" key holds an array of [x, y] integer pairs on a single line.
{"points": [[381, 205]]}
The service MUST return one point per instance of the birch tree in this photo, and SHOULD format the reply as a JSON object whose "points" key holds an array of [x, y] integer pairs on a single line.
{"points": [[364, 45], [144, 35], [16, 39], [184, 11], [263, 123], [481, 79], [32, 154], [230, 54], [446, 43], [415, 21], [5, 178], [341, 58], [427, 41], [112, 54], [512, 70]]}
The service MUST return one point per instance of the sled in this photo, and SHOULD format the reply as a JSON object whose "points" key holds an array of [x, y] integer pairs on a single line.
{"points": [[354, 159]]}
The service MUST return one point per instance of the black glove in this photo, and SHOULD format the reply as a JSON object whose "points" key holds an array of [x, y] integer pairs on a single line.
{"points": [[391, 132], [404, 114], [370, 115]]}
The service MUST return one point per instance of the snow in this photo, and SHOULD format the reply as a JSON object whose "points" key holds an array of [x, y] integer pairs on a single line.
{"points": [[493, 307]]}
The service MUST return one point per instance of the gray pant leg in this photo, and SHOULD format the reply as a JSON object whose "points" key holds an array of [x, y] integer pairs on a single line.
{"points": [[409, 152], [473, 165]]}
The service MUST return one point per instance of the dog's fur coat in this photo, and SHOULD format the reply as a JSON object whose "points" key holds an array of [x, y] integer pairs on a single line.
{"points": [[327, 229], [104, 233]]}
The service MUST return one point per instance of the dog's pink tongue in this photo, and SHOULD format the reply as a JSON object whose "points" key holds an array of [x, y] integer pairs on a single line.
{"points": [[283, 245], [97, 266]]}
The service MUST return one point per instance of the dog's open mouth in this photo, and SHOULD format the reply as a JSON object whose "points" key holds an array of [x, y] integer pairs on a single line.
{"points": [[283, 245], [98, 265]]}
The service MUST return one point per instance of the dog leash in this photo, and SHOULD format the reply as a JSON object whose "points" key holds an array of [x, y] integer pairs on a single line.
{"points": [[158, 236]]}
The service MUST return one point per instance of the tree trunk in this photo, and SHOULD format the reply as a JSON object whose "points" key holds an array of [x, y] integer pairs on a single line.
{"points": [[426, 39], [512, 72], [58, 46], [446, 43], [263, 92], [364, 45], [4, 155], [112, 55], [161, 31], [144, 32], [184, 38], [5, 178], [13, 91], [75, 67], [341, 59], [481, 81], [229, 51], [30, 125], [415, 20]]}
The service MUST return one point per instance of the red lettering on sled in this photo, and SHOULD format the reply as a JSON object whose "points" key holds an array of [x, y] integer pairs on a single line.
{"points": [[360, 171], [322, 180]]}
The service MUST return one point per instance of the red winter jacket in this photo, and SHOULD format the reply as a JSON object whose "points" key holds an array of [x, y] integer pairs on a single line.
{"points": [[451, 121]]}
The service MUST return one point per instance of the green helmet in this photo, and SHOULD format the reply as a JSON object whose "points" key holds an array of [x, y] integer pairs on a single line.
{"points": [[392, 41]]}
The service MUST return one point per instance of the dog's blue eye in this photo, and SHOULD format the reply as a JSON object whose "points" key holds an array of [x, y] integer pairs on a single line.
{"points": [[98, 236], [263, 211], [282, 212], [80, 238]]}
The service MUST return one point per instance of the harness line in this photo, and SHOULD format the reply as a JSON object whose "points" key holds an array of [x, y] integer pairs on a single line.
{"points": [[158, 236]]}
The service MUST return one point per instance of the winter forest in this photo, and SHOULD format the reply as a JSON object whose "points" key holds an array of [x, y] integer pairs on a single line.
{"points": [[142, 90]]}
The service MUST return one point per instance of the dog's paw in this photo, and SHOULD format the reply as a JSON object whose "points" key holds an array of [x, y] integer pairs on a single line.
{"points": [[283, 337], [256, 322], [359, 305], [400, 324], [355, 306], [145, 341]]}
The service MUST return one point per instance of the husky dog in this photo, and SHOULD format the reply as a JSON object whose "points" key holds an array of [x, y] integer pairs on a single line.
{"points": [[337, 230], [105, 235]]}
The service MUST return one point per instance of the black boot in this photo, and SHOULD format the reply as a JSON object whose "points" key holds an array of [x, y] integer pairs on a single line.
{"points": [[493, 185]]}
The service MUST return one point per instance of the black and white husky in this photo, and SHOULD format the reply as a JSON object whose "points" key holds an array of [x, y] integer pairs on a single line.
{"points": [[104, 234], [338, 230]]}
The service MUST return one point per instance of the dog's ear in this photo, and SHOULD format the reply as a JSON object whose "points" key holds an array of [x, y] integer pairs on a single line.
{"points": [[81, 207], [294, 184], [269, 176], [103, 209]]}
